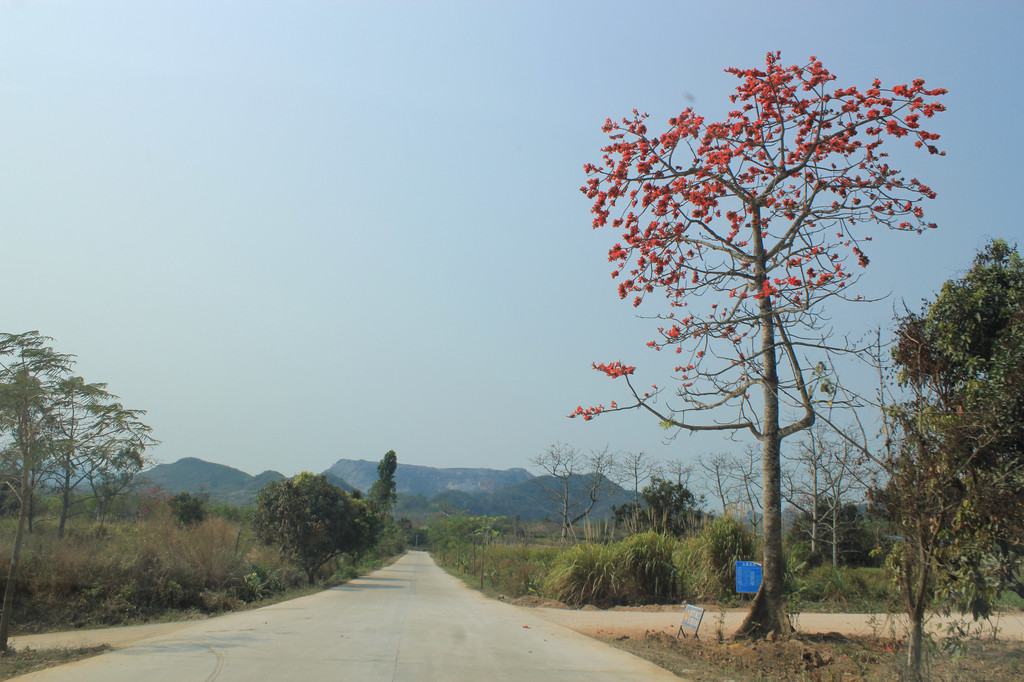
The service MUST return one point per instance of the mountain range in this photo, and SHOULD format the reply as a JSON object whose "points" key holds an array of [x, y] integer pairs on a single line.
{"points": [[224, 484], [429, 481], [422, 490]]}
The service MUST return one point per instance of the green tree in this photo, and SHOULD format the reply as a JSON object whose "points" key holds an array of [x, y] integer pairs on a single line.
{"points": [[382, 493], [29, 371], [313, 521], [955, 456], [665, 506], [672, 507], [188, 509]]}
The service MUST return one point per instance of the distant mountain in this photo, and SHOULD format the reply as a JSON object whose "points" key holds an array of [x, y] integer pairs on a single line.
{"points": [[223, 483], [428, 481], [529, 500]]}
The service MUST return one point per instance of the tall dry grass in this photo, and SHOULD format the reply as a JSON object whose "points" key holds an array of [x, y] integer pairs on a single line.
{"points": [[131, 571]]}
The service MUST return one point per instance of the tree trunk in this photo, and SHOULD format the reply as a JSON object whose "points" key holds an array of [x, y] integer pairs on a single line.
{"points": [[915, 595], [65, 504], [31, 511], [837, 506], [768, 610], [8, 603]]}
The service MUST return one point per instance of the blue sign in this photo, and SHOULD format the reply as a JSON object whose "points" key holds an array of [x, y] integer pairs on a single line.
{"points": [[692, 616], [748, 576]]}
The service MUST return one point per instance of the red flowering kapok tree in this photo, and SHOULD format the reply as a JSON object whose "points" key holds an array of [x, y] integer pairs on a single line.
{"points": [[747, 226]]}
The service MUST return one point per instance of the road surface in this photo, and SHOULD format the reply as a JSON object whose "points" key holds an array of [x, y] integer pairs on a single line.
{"points": [[409, 621]]}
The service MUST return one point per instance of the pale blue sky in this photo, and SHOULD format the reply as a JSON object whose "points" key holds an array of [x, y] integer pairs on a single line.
{"points": [[300, 231]]}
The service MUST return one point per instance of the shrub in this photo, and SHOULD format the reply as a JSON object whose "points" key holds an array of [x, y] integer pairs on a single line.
{"points": [[707, 561], [517, 571], [645, 570], [583, 574]]}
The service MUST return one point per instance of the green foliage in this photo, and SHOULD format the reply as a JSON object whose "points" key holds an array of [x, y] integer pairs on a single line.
{"points": [[187, 509], [667, 507], [958, 469], [642, 569], [583, 574], [846, 586], [382, 493], [515, 570], [313, 521], [708, 559], [646, 570], [638, 570]]}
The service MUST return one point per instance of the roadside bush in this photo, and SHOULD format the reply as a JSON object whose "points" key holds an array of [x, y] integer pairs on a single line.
{"points": [[707, 560], [868, 586], [515, 570], [645, 570], [137, 570], [583, 574]]}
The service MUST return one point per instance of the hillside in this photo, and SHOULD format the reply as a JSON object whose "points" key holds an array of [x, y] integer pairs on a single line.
{"points": [[224, 484], [429, 481], [528, 500]]}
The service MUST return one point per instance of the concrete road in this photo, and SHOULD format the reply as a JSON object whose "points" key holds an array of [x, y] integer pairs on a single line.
{"points": [[410, 621]]}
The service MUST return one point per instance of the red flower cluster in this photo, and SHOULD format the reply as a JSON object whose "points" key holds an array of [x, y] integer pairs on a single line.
{"points": [[614, 369]]}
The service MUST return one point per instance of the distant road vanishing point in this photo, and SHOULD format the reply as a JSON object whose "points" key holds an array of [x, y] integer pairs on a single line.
{"points": [[409, 621]]}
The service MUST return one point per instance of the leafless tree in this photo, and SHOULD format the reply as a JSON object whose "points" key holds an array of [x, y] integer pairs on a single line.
{"points": [[717, 474], [682, 473], [633, 470], [825, 474], [574, 482]]}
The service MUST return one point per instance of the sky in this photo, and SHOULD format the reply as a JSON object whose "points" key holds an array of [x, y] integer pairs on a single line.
{"points": [[295, 232]]}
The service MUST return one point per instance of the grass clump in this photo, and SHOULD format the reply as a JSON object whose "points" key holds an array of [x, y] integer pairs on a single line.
{"points": [[584, 574], [708, 559], [644, 564]]}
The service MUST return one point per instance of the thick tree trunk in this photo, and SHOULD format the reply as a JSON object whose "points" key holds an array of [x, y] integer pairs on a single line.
{"points": [[768, 611]]}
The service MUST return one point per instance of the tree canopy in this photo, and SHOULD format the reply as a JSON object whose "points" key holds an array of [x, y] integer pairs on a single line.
{"points": [[313, 521]]}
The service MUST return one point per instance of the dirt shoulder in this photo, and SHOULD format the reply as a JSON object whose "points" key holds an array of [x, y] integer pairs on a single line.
{"points": [[116, 638], [637, 621]]}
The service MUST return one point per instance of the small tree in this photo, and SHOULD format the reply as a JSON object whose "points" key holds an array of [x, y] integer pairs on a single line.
{"points": [[745, 225], [671, 507], [188, 509], [312, 521], [954, 459]]}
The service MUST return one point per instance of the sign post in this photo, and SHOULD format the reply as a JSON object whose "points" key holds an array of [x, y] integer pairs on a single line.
{"points": [[692, 616]]}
